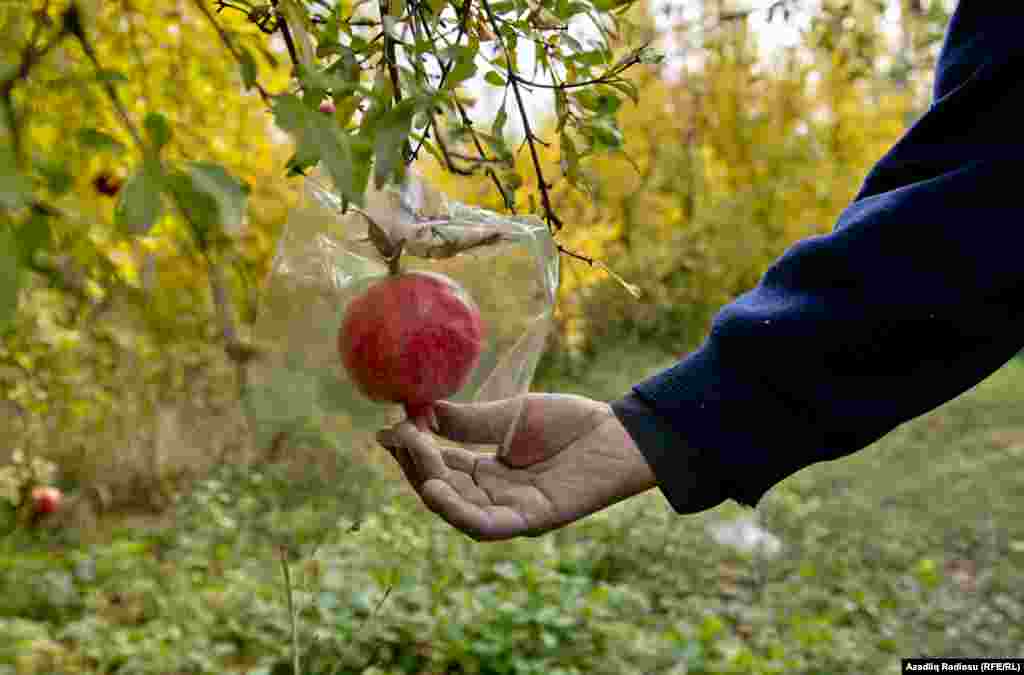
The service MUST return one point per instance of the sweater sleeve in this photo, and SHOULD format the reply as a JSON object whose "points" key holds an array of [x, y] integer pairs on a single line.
{"points": [[915, 296]]}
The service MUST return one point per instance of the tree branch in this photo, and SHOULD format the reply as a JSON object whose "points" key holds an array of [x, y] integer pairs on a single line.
{"points": [[628, 63], [228, 44], [549, 214], [287, 34], [30, 56], [111, 92]]}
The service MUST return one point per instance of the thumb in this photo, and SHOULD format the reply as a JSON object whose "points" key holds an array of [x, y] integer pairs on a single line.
{"points": [[478, 422], [527, 429]]}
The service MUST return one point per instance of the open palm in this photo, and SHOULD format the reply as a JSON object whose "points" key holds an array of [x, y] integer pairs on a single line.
{"points": [[559, 458]]}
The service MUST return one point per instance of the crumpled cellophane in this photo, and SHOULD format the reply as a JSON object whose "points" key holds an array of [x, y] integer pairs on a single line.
{"points": [[298, 388]]}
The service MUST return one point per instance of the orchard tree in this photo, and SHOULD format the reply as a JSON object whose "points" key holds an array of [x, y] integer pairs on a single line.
{"points": [[143, 178], [394, 73]]}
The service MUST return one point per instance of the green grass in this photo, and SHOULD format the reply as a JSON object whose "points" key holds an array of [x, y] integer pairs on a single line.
{"points": [[912, 546]]}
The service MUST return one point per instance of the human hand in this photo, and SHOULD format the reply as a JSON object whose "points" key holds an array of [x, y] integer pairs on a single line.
{"points": [[559, 458]]}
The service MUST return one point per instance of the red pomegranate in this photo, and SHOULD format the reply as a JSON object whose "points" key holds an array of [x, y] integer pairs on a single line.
{"points": [[411, 338], [46, 499]]}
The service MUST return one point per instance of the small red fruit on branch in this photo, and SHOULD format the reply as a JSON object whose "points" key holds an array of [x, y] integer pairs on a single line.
{"points": [[327, 106], [107, 184], [411, 338], [45, 499]]}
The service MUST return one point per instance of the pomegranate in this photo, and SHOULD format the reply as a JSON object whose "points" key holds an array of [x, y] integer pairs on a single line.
{"points": [[45, 499], [411, 338]]}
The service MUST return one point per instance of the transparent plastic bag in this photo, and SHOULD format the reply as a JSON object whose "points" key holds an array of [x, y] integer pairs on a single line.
{"points": [[299, 389]]}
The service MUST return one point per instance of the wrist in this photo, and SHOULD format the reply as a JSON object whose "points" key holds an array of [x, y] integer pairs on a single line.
{"points": [[638, 476], [691, 480]]}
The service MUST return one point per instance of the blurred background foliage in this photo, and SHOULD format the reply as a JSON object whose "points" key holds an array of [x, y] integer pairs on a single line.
{"points": [[116, 357], [120, 375], [731, 154], [123, 362]]}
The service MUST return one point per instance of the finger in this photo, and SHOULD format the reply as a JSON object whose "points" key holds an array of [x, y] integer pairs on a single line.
{"points": [[410, 470], [462, 475], [489, 523], [425, 455], [469, 490], [461, 459], [478, 422], [408, 467]]}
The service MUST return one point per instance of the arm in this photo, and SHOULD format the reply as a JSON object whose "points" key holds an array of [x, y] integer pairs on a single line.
{"points": [[916, 296]]}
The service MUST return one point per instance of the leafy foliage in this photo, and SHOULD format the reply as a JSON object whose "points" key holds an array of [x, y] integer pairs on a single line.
{"points": [[142, 185], [633, 589], [729, 157]]}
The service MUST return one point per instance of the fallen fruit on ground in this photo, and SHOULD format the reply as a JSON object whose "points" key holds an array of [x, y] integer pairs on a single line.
{"points": [[45, 499], [411, 338]]}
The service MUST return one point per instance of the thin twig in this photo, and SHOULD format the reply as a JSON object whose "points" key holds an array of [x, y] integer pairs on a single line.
{"points": [[446, 155], [390, 55], [549, 213], [287, 34], [605, 78], [468, 123], [29, 58], [111, 92], [286, 572], [578, 256], [228, 44]]}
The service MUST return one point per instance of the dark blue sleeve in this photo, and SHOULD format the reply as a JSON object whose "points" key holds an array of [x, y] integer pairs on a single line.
{"points": [[916, 296]]}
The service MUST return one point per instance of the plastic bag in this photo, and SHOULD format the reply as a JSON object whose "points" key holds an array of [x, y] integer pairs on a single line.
{"points": [[299, 388]]}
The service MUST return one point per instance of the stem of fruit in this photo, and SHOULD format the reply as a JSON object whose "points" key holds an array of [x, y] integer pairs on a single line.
{"points": [[395, 261], [420, 414]]}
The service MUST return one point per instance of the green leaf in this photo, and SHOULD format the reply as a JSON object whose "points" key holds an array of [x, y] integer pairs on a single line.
{"points": [[15, 188], [199, 207], [570, 157], [140, 204], [594, 57], [561, 108], [111, 76], [464, 68], [392, 132], [512, 180], [601, 103], [92, 139], [571, 42], [605, 132], [58, 178], [10, 279], [247, 64], [391, 26], [495, 78], [650, 57], [434, 152], [498, 128], [33, 235], [627, 88], [319, 139], [159, 130], [230, 194]]}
